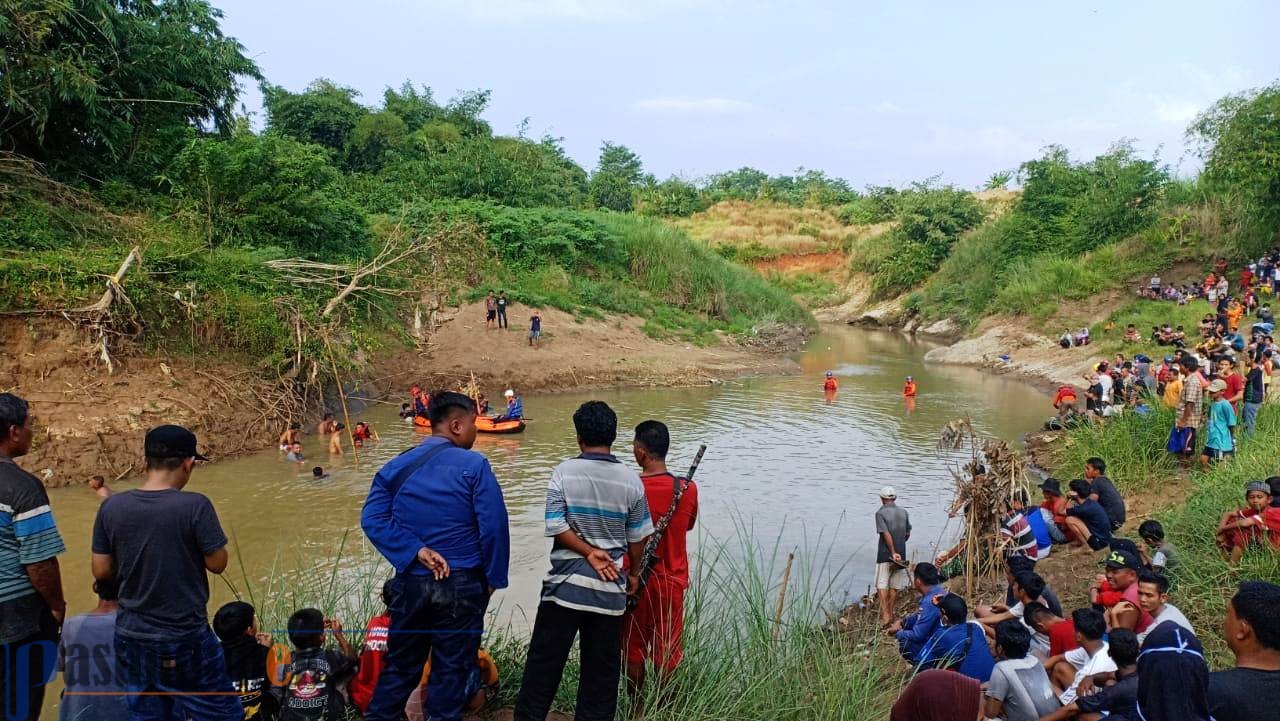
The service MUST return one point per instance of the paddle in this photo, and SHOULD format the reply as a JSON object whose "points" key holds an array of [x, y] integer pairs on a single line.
{"points": [[650, 553]]}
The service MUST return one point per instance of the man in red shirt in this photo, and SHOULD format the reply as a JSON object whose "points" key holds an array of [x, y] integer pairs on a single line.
{"points": [[653, 630]]}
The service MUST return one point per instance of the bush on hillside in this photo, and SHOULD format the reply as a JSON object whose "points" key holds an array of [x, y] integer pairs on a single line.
{"points": [[929, 221], [672, 198], [264, 190]]}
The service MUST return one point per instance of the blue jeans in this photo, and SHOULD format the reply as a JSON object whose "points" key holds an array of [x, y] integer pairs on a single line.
{"points": [[1250, 416], [441, 619], [177, 679]]}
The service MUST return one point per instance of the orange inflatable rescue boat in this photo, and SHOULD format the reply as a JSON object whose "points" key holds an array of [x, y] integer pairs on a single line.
{"points": [[484, 424]]}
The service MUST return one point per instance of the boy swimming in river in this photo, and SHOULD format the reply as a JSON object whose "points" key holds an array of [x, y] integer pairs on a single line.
{"points": [[290, 436]]}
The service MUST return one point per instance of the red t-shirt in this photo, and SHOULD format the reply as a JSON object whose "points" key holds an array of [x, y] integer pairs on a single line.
{"points": [[829, 384], [1062, 637], [1130, 594], [371, 655], [1235, 384], [672, 561]]}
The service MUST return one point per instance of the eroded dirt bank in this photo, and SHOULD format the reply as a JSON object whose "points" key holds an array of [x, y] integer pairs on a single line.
{"points": [[92, 422]]}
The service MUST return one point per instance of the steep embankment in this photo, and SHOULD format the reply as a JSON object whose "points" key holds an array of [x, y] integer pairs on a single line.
{"points": [[91, 421]]}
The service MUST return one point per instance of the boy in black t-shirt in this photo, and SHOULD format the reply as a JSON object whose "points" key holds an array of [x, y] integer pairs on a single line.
{"points": [[316, 674], [245, 652]]}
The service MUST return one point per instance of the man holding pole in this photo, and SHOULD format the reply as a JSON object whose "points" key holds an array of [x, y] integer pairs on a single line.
{"points": [[653, 629], [893, 528]]}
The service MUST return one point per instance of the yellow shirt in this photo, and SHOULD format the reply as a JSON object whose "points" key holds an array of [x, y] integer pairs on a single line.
{"points": [[1172, 390]]}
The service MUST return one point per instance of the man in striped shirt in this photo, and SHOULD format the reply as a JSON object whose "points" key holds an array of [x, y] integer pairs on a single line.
{"points": [[31, 602], [596, 513]]}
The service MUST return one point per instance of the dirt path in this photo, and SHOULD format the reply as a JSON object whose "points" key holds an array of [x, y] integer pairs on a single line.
{"points": [[91, 422]]}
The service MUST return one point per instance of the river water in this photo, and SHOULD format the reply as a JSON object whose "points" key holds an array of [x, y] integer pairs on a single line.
{"points": [[794, 470]]}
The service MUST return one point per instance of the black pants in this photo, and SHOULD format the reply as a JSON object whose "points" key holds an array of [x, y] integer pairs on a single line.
{"points": [[601, 661], [443, 619], [502, 317], [22, 667]]}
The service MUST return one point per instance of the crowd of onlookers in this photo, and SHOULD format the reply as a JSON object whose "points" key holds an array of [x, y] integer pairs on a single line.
{"points": [[1130, 654]]}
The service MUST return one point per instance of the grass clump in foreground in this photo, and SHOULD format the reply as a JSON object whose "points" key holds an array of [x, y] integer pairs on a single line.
{"points": [[734, 666], [1133, 448]]}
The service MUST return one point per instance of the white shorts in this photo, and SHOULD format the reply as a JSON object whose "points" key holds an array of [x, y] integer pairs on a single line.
{"points": [[891, 575]]}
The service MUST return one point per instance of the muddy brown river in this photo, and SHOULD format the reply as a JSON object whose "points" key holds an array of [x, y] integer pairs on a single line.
{"points": [[784, 466]]}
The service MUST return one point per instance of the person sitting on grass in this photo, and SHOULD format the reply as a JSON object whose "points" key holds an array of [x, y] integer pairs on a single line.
{"points": [[1257, 520], [1027, 588], [1119, 697], [1061, 632], [1153, 597], [1173, 677], [958, 645], [1019, 689], [245, 652], [1252, 629], [938, 695], [1091, 658], [1122, 569], [1087, 520], [317, 675], [1018, 565], [1164, 556], [914, 630], [1131, 334], [1054, 508]]}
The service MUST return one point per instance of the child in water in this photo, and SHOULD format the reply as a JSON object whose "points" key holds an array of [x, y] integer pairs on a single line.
{"points": [[363, 432], [909, 388], [830, 385], [335, 439]]}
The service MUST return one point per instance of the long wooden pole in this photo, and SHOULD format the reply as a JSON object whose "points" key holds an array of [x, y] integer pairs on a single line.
{"points": [[782, 598], [342, 396]]}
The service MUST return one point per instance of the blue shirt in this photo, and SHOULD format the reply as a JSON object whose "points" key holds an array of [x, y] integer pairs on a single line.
{"points": [[919, 626], [946, 650], [452, 505], [1221, 419], [1035, 519], [515, 410]]}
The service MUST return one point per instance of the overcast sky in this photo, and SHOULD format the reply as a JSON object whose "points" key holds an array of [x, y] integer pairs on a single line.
{"points": [[875, 92]]}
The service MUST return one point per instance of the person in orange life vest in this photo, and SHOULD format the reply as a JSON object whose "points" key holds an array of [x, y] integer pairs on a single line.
{"points": [[909, 389], [1064, 401], [652, 632], [830, 385]]}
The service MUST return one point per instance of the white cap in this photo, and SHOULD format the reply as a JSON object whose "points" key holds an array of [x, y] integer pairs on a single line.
{"points": [[509, 393], [887, 492]]}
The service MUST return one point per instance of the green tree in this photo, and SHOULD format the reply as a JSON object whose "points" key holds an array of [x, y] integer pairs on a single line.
{"points": [[324, 113], [268, 190], [999, 180], [94, 87], [376, 139], [618, 173], [670, 198], [1239, 139]]}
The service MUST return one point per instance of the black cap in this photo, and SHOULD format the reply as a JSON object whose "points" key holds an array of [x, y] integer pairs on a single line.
{"points": [[171, 442], [1051, 485], [1123, 559]]}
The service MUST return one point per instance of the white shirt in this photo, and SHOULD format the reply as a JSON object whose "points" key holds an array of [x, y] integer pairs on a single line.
{"points": [[1168, 612], [1106, 381], [1100, 662]]}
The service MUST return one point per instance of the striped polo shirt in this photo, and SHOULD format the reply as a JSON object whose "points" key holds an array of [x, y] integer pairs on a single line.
{"points": [[602, 501], [27, 536]]}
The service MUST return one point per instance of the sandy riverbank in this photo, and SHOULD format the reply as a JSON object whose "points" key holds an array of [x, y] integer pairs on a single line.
{"points": [[92, 422]]}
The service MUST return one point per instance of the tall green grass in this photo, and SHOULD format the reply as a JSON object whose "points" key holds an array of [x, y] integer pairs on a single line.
{"points": [[1134, 450], [739, 662]]}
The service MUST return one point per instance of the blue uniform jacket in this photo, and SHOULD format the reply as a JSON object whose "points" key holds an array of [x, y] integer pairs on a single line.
{"points": [[452, 505], [919, 626]]}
